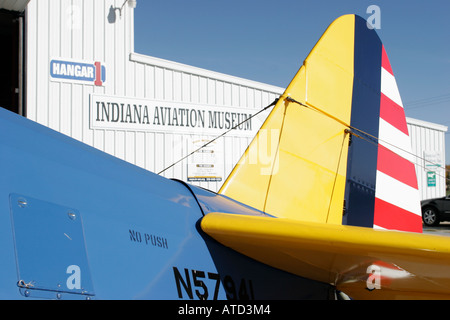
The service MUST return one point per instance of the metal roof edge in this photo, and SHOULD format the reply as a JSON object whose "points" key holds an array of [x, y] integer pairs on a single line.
{"points": [[426, 124], [140, 58]]}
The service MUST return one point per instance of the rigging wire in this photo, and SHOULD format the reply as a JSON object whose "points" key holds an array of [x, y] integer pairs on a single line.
{"points": [[223, 134], [275, 159], [373, 140], [425, 102], [368, 137], [337, 173]]}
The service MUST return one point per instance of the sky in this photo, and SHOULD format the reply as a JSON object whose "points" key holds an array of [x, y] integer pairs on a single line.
{"points": [[267, 41]]}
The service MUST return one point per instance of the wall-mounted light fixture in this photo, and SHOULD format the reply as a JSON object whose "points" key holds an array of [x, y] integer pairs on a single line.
{"points": [[112, 10]]}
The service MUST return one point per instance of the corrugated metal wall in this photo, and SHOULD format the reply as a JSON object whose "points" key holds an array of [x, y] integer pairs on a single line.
{"points": [[73, 29], [428, 144], [94, 30]]}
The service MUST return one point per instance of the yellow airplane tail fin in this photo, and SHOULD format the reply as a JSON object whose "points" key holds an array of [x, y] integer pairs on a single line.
{"points": [[335, 148]]}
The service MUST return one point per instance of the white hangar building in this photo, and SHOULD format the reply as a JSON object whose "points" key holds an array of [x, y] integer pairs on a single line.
{"points": [[72, 67]]}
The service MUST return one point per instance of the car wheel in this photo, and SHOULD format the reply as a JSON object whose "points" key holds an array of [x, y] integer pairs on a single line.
{"points": [[430, 216]]}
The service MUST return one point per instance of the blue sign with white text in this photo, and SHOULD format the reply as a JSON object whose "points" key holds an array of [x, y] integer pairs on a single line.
{"points": [[90, 73]]}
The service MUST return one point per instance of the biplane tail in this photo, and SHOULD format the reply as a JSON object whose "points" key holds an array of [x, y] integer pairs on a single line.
{"points": [[340, 175], [337, 141]]}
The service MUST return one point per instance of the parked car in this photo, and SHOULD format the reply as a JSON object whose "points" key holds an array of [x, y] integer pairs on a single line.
{"points": [[435, 210]]}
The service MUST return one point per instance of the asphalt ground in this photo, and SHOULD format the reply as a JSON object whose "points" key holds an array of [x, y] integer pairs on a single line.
{"points": [[442, 229]]}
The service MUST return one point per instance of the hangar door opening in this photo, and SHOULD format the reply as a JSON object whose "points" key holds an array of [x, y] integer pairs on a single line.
{"points": [[11, 61]]}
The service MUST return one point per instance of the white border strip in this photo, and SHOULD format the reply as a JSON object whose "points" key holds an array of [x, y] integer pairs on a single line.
{"points": [[389, 87], [397, 193]]}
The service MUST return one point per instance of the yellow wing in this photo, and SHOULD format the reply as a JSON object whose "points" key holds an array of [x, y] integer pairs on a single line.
{"points": [[364, 263]]}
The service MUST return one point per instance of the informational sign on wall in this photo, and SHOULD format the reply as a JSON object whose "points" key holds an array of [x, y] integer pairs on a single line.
{"points": [[121, 113], [206, 164], [433, 160], [431, 179], [433, 164], [85, 72]]}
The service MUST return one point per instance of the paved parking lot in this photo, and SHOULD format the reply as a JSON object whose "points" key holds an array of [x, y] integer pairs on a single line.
{"points": [[443, 229]]}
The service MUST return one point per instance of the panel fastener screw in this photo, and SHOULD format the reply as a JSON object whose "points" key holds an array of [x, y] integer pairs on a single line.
{"points": [[72, 215], [21, 202]]}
